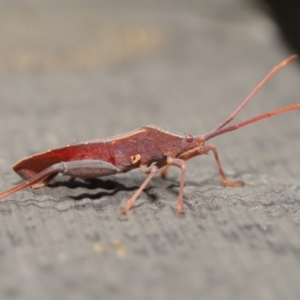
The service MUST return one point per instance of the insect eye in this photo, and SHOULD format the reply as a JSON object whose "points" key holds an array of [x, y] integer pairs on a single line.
{"points": [[189, 138]]}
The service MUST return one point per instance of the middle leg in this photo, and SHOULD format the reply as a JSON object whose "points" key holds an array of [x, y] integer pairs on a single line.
{"points": [[151, 171]]}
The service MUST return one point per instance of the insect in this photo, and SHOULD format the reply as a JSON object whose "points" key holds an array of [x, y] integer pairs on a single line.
{"points": [[148, 148]]}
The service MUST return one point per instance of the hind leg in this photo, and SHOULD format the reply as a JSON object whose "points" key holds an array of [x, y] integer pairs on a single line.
{"points": [[88, 168], [80, 168], [43, 183]]}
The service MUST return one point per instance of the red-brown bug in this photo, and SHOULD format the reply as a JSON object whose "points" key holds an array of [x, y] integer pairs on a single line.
{"points": [[148, 148]]}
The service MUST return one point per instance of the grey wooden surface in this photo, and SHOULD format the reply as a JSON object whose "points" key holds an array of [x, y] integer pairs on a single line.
{"points": [[77, 70]]}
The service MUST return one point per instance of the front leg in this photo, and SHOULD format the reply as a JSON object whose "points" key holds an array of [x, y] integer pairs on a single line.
{"points": [[222, 174]]}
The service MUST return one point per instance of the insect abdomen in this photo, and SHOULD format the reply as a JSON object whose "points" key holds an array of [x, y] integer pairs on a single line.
{"points": [[32, 165]]}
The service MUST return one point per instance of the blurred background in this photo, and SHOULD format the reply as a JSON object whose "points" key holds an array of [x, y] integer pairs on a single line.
{"points": [[71, 71], [112, 56], [286, 16]]}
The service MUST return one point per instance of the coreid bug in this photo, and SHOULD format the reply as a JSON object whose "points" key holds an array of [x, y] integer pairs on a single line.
{"points": [[148, 148]]}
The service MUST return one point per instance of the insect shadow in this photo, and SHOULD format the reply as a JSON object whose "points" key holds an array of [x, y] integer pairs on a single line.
{"points": [[96, 183]]}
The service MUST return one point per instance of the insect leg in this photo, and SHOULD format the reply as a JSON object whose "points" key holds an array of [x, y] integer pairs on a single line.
{"points": [[182, 165], [223, 176], [151, 171], [88, 168], [43, 183], [164, 171], [80, 168], [36, 179]]}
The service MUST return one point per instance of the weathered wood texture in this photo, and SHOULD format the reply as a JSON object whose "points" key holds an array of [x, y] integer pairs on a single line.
{"points": [[74, 71]]}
